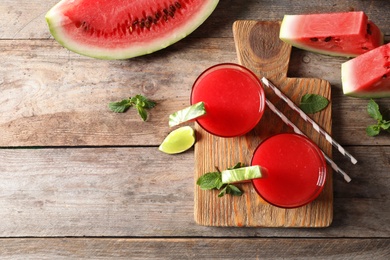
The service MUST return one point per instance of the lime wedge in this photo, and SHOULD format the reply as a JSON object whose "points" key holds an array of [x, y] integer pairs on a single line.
{"points": [[187, 114], [178, 140], [241, 174]]}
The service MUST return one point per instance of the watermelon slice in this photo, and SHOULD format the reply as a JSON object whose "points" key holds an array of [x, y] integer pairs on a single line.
{"points": [[346, 34], [368, 75], [122, 29]]}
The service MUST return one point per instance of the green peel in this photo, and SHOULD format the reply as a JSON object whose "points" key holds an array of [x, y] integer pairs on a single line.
{"points": [[187, 114], [178, 140], [241, 174]]}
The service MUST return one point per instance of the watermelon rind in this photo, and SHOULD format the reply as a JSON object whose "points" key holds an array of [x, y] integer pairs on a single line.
{"points": [[368, 75], [56, 20], [288, 34]]}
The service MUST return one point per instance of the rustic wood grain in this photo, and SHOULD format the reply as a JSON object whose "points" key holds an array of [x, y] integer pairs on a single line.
{"points": [[107, 180], [142, 192], [260, 50], [51, 97], [198, 248]]}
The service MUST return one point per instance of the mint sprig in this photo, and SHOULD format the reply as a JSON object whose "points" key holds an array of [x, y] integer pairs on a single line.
{"points": [[313, 103], [230, 189], [213, 180], [140, 102], [382, 124]]}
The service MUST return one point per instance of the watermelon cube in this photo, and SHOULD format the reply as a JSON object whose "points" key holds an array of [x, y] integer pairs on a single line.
{"points": [[368, 75], [347, 34]]}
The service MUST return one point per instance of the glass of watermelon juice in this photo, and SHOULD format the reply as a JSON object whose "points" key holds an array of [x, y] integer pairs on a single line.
{"points": [[234, 99], [295, 170]]}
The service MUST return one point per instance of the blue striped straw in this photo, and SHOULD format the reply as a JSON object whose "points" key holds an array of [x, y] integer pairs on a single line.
{"points": [[296, 130], [308, 119]]}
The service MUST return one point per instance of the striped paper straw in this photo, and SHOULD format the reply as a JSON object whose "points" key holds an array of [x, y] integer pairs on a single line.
{"points": [[296, 130], [308, 119]]}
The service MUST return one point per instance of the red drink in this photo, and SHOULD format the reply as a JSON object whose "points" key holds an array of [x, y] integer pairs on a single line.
{"points": [[296, 170], [234, 100]]}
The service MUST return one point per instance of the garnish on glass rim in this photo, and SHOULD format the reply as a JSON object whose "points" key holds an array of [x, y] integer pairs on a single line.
{"points": [[187, 114], [140, 102], [382, 124], [242, 173], [222, 180]]}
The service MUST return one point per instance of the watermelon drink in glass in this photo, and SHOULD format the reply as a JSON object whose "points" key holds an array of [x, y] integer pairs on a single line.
{"points": [[233, 97], [295, 170]]}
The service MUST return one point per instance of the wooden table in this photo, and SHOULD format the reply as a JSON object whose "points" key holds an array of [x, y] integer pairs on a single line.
{"points": [[78, 181]]}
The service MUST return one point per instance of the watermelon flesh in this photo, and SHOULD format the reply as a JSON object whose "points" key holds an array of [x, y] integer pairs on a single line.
{"points": [[122, 29], [368, 75], [346, 34]]}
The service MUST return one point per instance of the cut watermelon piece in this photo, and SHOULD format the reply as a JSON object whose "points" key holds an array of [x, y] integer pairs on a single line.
{"points": [[346, 34], [368, 75], [118, 29]]}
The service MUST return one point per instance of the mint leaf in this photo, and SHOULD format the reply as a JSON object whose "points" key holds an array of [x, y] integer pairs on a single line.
{"points": [[121, 106], [373, 110], [385, 125], [230, 189], [372, 130], [233, 190], [209, 181], [313, 103], [144, 102], [238, 165], [223, 191], [140, 102], [213, 180], [142, 112]]}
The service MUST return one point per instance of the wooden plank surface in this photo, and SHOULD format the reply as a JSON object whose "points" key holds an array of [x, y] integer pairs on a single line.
{"points": [[198, 248], [50, 97], [47, 100], [107, 181], [142, 192]]}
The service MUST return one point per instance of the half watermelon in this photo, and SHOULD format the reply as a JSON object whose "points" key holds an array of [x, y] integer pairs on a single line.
{"points": [[368, 75], [346, 34], [122, 29]]}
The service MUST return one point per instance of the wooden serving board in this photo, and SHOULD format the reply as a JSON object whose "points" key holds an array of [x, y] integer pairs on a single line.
{"points": [[259, 49]]}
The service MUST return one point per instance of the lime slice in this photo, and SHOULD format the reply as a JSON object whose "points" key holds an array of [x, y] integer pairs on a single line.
{"points": [[178, 140], [187, 114], [241, 174]]}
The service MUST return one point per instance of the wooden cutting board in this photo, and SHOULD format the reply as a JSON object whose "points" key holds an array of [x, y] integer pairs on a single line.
{"points": [[259, 49]]}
